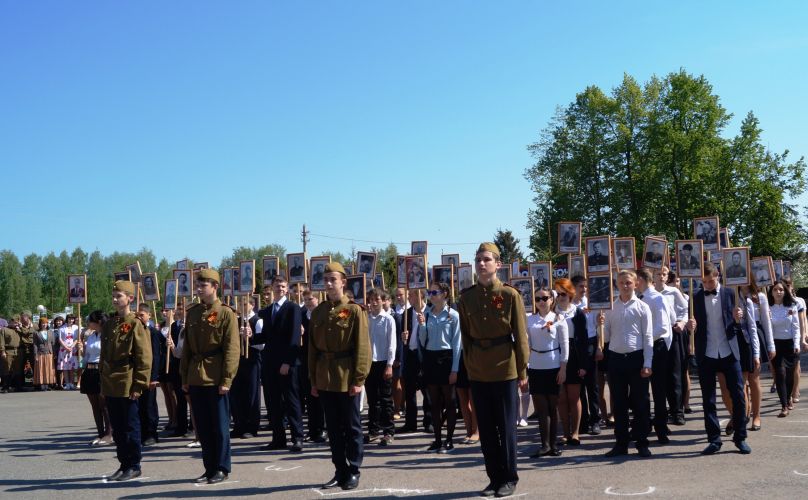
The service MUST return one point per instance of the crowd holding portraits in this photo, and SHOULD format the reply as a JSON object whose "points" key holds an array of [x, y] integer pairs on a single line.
{"points": [[689, 258], [569, 237]]}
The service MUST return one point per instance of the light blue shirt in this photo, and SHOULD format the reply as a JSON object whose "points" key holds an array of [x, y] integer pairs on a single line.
{"points": [[442, 332]]}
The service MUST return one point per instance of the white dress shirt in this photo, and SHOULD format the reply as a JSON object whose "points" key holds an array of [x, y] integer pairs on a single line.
{"points": [[677, 301], [549, 346], [382, 329], [764, 316], [628, 328], [786, 323], [92, 348], [259, 327], [662, 317], [413, 326], [717, 343]]}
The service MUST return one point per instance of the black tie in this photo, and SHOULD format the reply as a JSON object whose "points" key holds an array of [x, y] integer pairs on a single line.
{"points": [[639, 296], [714, 292]]}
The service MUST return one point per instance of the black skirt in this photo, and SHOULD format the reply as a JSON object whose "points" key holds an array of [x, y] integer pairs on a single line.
{"points": [[543, 382], [90, 381], [572, 368], [462, 375], [764, 351], [745, 351], [437, 366]]}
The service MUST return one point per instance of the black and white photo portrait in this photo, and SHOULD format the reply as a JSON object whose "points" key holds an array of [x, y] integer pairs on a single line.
{"points": [[526, 290], [270, 266], [318, 272], [706, 230], [655, 249], [247, 275], [465, 277], [689, 258], [597, 255], [762, 271], [366, 263], [134, 272], [227, 282], [170, 301], [569, 237], [356, 287], [450, 259], [184, 282], [296, 266], [442, 274], [599, 292], [419, 247], [541, 274], [416, 272], [575, 266], [151, 290], [624, 253], [735, 266], [77, 289]]}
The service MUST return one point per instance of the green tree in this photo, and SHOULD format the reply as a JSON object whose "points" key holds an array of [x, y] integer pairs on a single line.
{"points": [[32, 287], [12, 285], [508, 246]]}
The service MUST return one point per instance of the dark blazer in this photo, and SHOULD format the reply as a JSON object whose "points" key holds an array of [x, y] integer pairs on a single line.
{"points": [[732, 329], [158, 345], [399, 320], [281, 334], [579, 343]]}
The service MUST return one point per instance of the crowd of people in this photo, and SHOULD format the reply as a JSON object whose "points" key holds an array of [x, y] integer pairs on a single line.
{"points": [[480, 353]]}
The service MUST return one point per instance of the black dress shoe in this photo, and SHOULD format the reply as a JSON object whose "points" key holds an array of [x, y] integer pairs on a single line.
{"points": [[217, 477], [333, 482], [679, 420], [247, 435], [318, 437], [129, 474], [617, 451], [541, 452], [505, 489], [643, 451], [711, 449], [178, 434], [150, 442], [490, 490], [406, 430], [114, 477], [663, 439], [275, 446], [351, 482], [203, 478], [296, 446]]}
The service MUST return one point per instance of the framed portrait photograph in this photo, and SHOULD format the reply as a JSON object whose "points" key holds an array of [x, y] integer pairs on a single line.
{"points": [[778, 269], [170, 294], [134, 272], [185, 282], [599, 292], [401, 270], [416, 272], [689, 258], [201, 265], [526, 290], [135, 303], [723, 238], [465, 277], [542, 274], [236, 280], [450, 259], [356, 288], [151, 289], [318, 272], [624, 253], [706, 230], [122, 276], [227, 282], [270, 265], [366, 263], [443, 274], [787, 269], [504, 273], [419, 247], [655, 251], [569, 237], [296, 267], [246, 277], [598, 255], [716, 257], [735, 266], [76, 288], [763, 271], [575, 266], [182, 264], [378, 281]]}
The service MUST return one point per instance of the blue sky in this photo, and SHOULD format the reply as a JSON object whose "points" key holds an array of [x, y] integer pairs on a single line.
{"points": [[194, 127]]}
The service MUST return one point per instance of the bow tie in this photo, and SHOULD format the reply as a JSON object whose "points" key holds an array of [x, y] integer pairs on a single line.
{"points": [[639, 296], [714, 292]]}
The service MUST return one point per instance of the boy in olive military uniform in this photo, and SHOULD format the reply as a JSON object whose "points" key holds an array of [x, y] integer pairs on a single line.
{"points": [[495, 351], [126, 362], [339, 362], [26, 353], [208, 365], [9, 355]]}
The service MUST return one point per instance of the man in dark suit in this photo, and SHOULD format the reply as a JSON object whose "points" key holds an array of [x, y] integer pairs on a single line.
{"points": [[77, 291], [717, 325], [314, 410], [412, 376], [281, 362], [245, 396]]}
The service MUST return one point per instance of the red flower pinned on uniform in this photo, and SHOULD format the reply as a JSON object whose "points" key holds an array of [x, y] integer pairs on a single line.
{"points": [[212, 317], [497, 300], [790, 312], [126, 327], [548, 325], [344, 314]]}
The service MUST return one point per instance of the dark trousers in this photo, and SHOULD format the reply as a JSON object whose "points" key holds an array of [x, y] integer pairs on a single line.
{"points": [[311, 404], [344, 431], [731, 368], [676, 374], [245, 395], [212, 413], [380, 400], [413, 382], [784, 361], [659, 386], [125, 421], [182, 409], [496, 406], [628, 387], [590, 395], [284, 401], [149, 416], [12, 371]]}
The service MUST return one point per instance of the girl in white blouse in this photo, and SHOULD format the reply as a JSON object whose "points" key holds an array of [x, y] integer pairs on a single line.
{"points": [[786, 333], [759, 321], [547, 367]]}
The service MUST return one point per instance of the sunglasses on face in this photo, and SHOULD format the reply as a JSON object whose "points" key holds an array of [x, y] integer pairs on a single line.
{"points": [[432, 293], [544, 299], [561, 294]]}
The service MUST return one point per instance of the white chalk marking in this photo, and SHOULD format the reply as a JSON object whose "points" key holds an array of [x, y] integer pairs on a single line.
{"points": [[609, 491], [127, 481], [800, 473], [201, 485], [277, 468], [779, 436], [349, 492], [392, 491], [797, 421], [513, 496]]}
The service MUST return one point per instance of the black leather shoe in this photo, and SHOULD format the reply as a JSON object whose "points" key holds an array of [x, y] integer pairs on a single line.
{"points": [[296, 446], [489, 490], [505, 489], [217, 477], [318, 437], [129, 474], [150, 442], [114, 477], [275, 446], [351, 482], [679, 420], [711, 449], [405, 430], [247, 435], [643, 451], [203, 478], [617, 451], [332, 483]]}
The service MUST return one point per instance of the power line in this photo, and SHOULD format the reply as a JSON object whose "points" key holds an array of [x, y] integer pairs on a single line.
{"points": [[385, 242]]}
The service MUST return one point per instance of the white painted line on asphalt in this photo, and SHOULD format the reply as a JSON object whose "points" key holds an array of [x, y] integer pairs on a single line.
{"points": [[403, 491], [779, 436], [511, 496], [800, 473], [797, 421], [349, 492], [609, 491], [277, 468], [134, 479], [202, 485]]}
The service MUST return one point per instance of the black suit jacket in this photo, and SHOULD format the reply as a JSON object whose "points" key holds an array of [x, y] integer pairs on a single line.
{"points": [[158, 345], [732, 329], [281, 334], [579, 343]]}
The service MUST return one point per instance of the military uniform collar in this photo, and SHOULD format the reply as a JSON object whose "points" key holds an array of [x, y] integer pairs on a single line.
{"points": [[342, 300], [494, 286], [214, 305]]}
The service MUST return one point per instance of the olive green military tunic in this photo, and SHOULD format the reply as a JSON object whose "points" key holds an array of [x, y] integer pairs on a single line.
{"points": [[493, 332], [339, 346], [212, 346], [9, 344], [126, 356]]}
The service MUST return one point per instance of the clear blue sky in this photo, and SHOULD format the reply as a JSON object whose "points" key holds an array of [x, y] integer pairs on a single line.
{"points": [[193, 127]]}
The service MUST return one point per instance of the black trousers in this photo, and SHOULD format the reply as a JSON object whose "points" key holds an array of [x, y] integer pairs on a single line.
{"points": [[212, 413], [125, 421], [784, 362], [590, 395], [676, 370], [412, 382], [311, 404], [496, 406], [731, 368], [659, 385], [245, 394], [344, 431], [380, 400], [629, 388], [182, 409], [149, 415], [284, 401]]}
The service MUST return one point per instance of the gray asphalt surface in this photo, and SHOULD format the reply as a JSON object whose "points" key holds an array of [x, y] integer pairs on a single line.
{"points": [[44, 438]]}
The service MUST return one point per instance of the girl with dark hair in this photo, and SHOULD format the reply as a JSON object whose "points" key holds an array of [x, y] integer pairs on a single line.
{"points": [[68, 351], [786, 333], [91, 377], [759, 322], [43, 350]]}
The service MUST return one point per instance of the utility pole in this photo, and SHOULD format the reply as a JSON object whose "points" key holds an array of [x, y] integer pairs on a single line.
{"points": [[304, 236]]}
